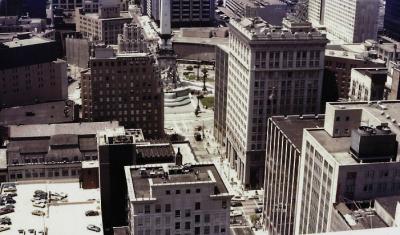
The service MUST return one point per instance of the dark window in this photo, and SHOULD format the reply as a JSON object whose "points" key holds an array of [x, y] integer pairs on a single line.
{"points": [[167, 192], [187, 225], [197, 218], [197, 206], [187, 191], [198, 190], [167, 207], [158, 208], [177, 225], [178, 191], [177, 213]]}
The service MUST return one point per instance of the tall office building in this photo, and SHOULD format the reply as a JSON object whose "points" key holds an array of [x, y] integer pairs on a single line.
{"points": [[124, 87], [117, 149], [352, 21], [284, 140], [271, 71], [354, 158], [392, 19]]}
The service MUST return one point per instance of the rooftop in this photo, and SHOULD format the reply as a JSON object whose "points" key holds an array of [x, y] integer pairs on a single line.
{"points": [[373, 71], [258, 29], [389, 204], [44, 113], [373, 231], [123, 15], [61, 217], [41, 130], [360, 218], [382, 112], [27, 42], [145, 177], [292, 126]]}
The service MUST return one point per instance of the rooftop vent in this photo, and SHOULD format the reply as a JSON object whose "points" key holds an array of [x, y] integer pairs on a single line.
{"points": [[370, 144]]}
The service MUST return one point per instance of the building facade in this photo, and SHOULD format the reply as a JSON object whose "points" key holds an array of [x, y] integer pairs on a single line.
{"points": [[339, 64], [124, 87], [183, 13], [283, 154], [132, 39], [221, 84], [27, 77], [55, 151], [271, 72], [177, 199], [357, 23], [368, 84], [354, 158], [104, 26], [392, 19]]}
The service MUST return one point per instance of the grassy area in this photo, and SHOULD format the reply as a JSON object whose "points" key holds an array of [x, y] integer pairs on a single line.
{"points": [[208, 101], [190, 77]]}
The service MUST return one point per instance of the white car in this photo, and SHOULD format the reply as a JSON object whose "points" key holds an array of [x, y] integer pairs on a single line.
{"points": [[238, 198], [40, 205], [236, 213]]}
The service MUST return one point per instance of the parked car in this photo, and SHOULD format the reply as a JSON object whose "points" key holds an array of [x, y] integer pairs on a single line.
{"points": [[40, 205], [10, 201], [5, 220], [236, 213], [4, 228], [236, 204], [91, 213], [258, 210], [238, 198], [93, 228], [4, 211], [38, 213]]}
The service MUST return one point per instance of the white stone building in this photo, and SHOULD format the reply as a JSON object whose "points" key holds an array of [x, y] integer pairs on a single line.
{"points": [[271, 71], [354, 158], [175, 199]]}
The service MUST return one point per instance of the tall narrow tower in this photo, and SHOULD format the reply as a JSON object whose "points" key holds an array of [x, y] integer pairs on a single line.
{"points": [[165, 25]]}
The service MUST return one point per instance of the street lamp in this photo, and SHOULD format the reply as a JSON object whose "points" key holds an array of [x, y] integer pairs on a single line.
{"points": [[204, 71]]}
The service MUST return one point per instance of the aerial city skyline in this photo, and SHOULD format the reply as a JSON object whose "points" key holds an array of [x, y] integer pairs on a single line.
{"points": [[199, 117]]}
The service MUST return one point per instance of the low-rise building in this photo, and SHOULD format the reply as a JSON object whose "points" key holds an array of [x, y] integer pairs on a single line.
{"points": [[172, 199], [368, 84], [393, 81], [339, 60], [51, 151]]}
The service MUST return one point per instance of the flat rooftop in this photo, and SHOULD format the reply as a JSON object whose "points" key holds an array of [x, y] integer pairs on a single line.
{"points": [[44, 113], [123, 15], [41, 130], [372, 231], [384, 112], [360, 218], [189, 174], [293, 125], [27, 42], [61, 218], [389, 204], [258, 29]]}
